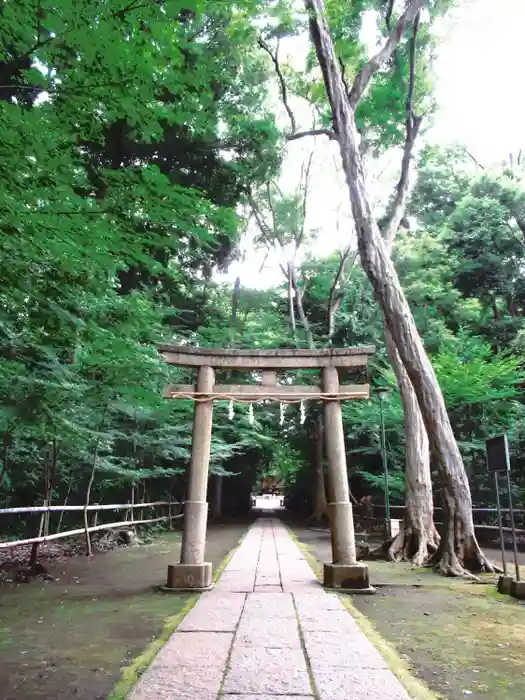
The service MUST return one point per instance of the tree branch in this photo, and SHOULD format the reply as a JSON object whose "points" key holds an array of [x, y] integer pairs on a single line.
{"points": [[300, 308], [270, 204], [334, 302], [472, 158], [294, 135], [412, 65], [413, 124], [312, 132], [290, 278], [389, 10], [131, 8], [367, 71], [265, 259], [342, 261], [265, 230], [236, 297], [282, 82], [299, 238]]}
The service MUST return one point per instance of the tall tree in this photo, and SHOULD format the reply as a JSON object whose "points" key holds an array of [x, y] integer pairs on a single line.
{"points": [[460, 550], [418, 538]]}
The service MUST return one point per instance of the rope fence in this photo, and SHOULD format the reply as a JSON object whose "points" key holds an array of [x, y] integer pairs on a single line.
{"points": [[58, 509], [93, 528]]}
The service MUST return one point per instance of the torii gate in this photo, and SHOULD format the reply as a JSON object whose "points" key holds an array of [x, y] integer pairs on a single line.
{"points": [[193, 572]]}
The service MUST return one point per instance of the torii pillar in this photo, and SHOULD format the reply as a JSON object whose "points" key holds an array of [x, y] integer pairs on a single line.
{"points": [[344, 571], [193, 572]]}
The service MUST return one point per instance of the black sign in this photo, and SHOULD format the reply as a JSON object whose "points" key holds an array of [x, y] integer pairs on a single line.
{"points": [[498, 454]]}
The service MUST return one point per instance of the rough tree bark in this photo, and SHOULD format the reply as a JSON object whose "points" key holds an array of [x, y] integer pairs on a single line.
{"points": [[418, 539], [460, 550]]}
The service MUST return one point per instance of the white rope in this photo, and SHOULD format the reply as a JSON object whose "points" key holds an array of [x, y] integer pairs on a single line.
{"points": [[198, 397]]}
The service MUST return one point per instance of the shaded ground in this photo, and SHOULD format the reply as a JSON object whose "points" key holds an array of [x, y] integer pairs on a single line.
{"points": [[69, 638], [461, 639]]}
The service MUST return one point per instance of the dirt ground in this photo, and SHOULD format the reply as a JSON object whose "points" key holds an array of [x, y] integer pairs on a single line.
{"points": [[461, 639], [69, 638]]}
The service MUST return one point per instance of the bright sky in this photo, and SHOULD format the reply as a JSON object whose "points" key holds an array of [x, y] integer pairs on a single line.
{"points": [[480, 78], [481, 104]]}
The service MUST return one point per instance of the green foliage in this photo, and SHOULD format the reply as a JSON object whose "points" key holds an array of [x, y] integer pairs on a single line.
{"points": [[128, 135]]}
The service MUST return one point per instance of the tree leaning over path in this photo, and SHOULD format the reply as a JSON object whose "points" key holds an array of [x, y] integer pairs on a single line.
{"points": [[460, 550]]}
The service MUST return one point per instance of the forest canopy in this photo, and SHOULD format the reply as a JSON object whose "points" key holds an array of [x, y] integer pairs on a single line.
{"points": [[143, 145]]}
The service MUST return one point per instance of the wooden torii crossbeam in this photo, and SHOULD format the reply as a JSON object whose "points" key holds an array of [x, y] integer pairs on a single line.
{"points": [[193, 572]]}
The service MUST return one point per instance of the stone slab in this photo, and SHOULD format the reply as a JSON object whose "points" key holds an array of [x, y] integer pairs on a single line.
{"points": [[316, 601], [215, 612], [242, 563], [236, 582], [266, 697], [353, 684], [300, 587], [267, 589], [199, 649], [330, 649], [302, 574], [178, 683], [268, 569], [264, 580], [298, 566], [279, 605], [270, 632], [329, 621], [274, 671]]}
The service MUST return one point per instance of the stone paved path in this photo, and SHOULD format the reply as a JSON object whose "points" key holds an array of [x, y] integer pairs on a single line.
{"points": [[268, 631]]}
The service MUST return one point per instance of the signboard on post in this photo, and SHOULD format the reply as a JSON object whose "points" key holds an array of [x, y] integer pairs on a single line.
{"points": [[498, 461], [498, 454]]}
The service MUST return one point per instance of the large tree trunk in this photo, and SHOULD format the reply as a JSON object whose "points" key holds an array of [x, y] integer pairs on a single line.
{"points": [[320, 505], [460, 549], [418, 539]]}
